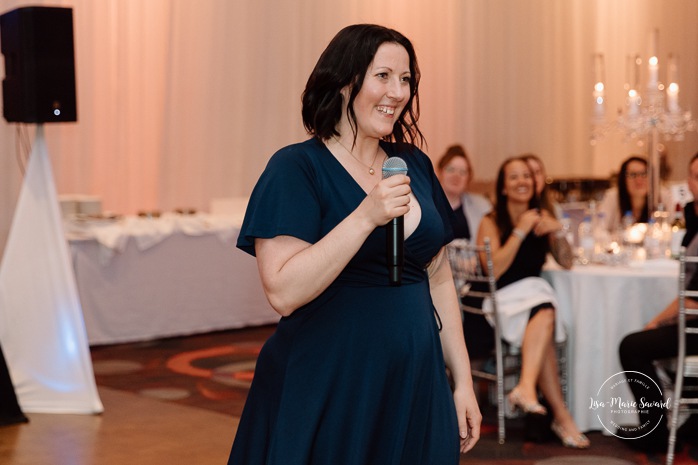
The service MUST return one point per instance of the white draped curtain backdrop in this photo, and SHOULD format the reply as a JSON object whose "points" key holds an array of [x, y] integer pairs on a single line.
{"points": [[183, 101]]}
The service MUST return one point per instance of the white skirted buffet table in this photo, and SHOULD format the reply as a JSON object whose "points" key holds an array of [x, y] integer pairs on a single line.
{"points": [[600, 305], [146, 278]]}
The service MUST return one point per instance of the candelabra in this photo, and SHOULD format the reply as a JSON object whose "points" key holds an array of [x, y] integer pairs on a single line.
{"points": [[645, 118]]}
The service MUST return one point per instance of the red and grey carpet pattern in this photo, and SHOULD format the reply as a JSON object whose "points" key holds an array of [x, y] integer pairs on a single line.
{"points": [[214, 371]]}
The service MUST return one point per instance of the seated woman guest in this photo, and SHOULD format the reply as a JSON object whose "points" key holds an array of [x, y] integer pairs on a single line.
{"points": [[630, 195], [455, 173], [521, 235]]}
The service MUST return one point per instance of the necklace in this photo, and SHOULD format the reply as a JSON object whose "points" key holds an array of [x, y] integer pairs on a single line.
{"points": [[371, 171]]}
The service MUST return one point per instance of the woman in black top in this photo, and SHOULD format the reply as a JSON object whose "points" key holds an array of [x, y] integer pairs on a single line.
{"points": [[521, 235]]}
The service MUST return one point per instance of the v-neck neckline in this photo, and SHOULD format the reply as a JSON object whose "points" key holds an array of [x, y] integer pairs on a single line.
{"points": [[360, 189], [347, 173]]}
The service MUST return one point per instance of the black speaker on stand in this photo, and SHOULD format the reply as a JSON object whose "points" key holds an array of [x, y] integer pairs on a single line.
{"points": [[39, 83], [38, 87]]}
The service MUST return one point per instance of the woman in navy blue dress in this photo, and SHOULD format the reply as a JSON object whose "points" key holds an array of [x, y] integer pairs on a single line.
{"points": [[355, 372]]}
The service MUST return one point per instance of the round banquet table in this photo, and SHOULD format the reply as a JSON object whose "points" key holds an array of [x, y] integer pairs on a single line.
{"points": [[599, 305]]}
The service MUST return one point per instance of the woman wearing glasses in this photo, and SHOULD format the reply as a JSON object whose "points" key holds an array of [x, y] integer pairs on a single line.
{"points": [[455, 173], [630, 196]]}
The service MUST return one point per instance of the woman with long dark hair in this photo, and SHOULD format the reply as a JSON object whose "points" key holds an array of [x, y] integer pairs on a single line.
{"points": [[521, 235], [355, 372], [629, 197]]}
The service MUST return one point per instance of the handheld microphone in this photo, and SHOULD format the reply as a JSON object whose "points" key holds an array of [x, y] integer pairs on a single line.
{"points": [[395, 229]]}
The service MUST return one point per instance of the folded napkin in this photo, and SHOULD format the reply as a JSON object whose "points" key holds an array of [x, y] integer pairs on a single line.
{"points": [[514, 304]]}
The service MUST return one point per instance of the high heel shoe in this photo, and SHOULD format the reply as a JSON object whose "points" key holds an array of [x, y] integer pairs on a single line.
{"points": [[517, 402], [579, 441]]}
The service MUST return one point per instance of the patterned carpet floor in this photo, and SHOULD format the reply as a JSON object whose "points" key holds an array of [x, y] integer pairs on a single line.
{"points": [[211, 371], [214, 371]]}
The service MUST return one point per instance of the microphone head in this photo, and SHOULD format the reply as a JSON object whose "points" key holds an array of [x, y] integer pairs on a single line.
{"points": [[393, 166]]}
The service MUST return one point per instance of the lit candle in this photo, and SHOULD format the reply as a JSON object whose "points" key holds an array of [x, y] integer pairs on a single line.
{"points": [[633, 102], [599, 109], [598, 100], [653, 62], [632, 72], [672, 97], [672, 91], [636, 233]]}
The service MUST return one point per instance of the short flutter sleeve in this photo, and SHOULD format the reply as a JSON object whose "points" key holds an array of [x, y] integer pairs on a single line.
{"points": [[284, 201]]}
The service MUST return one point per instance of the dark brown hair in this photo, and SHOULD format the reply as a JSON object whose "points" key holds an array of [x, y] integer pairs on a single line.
{"points": [[344, 63]]}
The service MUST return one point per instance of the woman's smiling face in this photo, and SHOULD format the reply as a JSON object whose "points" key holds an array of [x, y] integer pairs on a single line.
{"points": [[518, 181], [385, 91]]}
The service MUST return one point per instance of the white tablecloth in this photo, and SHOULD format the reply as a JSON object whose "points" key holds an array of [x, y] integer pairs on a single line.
{"points": [[141, 279], [599, 305]]}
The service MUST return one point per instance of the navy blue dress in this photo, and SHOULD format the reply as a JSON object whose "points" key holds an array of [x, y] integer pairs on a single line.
{"points": [[355, 376]]}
